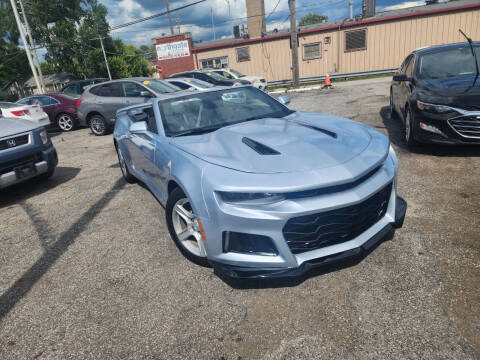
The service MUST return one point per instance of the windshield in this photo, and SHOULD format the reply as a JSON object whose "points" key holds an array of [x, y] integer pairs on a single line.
{"points": [[236, 73], [448, 63], [200, 83], [203, 112], [160, 86], [216, 76]]}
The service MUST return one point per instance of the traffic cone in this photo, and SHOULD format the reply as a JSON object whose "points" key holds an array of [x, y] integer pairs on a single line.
{"points": [[328, 83]]}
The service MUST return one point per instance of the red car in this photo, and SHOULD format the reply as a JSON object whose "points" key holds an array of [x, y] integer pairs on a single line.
{"points": [[61, 109]]}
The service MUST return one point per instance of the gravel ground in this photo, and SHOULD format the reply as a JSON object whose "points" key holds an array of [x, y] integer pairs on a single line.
{"points": [[88, 271]]}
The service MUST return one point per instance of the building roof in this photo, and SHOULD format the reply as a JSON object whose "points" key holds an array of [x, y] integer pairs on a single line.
{"points": [[331, 25], [51, 79]]}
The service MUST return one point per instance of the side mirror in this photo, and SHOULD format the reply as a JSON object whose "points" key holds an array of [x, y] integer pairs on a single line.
{"points": [[145, 94], [401, 77], [139, 127], [285, 100]]}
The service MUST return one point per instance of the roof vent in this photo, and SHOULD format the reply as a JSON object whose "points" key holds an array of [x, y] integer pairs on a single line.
{"points": [[258, 147]]}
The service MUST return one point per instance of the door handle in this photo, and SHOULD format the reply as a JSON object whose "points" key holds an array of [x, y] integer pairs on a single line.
{"points": [[99, 103]]}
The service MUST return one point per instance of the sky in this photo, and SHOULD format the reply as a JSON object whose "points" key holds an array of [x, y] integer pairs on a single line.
{"points": [[198, 18]]}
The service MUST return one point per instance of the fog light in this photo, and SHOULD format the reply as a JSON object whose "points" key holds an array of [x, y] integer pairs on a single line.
{"points": [[430, 128], [248, 244]]}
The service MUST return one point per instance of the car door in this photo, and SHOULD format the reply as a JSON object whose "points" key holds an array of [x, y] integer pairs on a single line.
{"points": [[132, 93], [109, 99], [396, 84]]}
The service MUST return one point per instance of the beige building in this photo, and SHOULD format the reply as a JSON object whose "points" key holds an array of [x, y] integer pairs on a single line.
{"points": [[376, 43]]}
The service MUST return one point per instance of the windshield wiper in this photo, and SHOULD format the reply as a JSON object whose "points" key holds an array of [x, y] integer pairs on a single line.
{"points": [[196, 131], [469, 40]]}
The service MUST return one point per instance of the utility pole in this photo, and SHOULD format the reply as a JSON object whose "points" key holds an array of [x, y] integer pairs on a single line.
{"points": [[178, 22], [169, 17], [294, 43], [25, 44], [229, 15], [213, 25], [32, 46], [105, 56]]}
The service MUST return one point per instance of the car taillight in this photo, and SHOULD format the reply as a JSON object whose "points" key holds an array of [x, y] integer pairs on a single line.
{"points": [[79, 101], [20, 112]]}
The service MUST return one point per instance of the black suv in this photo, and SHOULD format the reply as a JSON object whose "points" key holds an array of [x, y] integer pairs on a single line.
{"points": [[77, 87], [436, 92], [211, 77]]}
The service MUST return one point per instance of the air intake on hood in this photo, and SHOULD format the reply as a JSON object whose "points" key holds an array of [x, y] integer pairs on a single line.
{"points": [[258, 147], [325, 131]]}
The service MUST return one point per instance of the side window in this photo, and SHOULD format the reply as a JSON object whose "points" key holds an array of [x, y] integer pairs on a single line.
{"points": [[95, 90], [405, 63], [70, 89], [409, 68], [225, 74], [181, 85], [41, 101], [111, 90], [132, 90], [152, 124]]}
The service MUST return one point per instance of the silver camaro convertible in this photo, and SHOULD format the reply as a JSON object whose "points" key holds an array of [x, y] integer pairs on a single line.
{"points": [[256, 189]]}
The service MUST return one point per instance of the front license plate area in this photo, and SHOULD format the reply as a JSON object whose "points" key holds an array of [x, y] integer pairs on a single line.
{"points": [[25, 171]]}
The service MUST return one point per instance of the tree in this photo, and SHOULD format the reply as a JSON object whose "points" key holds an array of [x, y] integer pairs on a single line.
{"points": [[311, 19]]}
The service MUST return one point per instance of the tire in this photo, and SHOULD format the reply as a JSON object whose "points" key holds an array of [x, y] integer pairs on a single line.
{"points": [[124, 167], [98, 125], [409, 128], [65, 122], [192, 246]]}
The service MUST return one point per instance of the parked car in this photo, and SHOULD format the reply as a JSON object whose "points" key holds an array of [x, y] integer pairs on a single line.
{"points": [[436, 93], [32, 113], [60, 108], [99, 103], [77, 87], [257, 81], [210, 77], [230, 167], [25, 151], [190, 84]]}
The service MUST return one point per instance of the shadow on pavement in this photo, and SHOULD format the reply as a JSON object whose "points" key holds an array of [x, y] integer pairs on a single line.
{"points": [[53, 250], [396, 130], [295, 281], [35, 186]]}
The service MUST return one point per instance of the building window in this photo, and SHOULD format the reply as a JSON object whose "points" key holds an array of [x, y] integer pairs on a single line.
{"points": [[327, 40], [243, 54], [214, 63], [312, 51], [356, 40]]}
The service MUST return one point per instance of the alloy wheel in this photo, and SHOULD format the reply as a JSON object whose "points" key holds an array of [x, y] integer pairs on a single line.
{"points": [[65, 122], [97, 125], [187, 228]]}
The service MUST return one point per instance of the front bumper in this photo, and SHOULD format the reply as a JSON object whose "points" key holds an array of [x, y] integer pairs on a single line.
{"points": [[40, 161], [440, 129], [242, 272]]}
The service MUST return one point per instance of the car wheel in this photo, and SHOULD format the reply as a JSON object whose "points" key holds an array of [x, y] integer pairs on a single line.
{"points": [[98, 125], [184, 228], [409, 128], [65, 122], [124, 167], [393, 114]]}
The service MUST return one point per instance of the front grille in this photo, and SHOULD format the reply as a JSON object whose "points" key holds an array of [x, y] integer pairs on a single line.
{"points": [[315, 231], [13, 142], [467, 126], [10, 165]]}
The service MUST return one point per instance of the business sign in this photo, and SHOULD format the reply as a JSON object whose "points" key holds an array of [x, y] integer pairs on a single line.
{"points": [[173, 50]]}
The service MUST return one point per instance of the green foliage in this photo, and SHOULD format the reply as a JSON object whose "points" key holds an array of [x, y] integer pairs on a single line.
{"points": [[311, 19], [70, 31]]}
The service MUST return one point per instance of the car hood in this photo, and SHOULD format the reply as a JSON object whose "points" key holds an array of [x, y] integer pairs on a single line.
{"points": [[455, 91], [298, 147], [10, 126]]}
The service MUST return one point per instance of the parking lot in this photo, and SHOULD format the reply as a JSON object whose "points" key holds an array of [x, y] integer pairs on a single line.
{"points": [[88, 269]]}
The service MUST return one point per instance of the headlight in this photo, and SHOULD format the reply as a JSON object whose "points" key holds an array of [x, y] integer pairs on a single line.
{"points": [[393, 157], [44, 136], [250, 198], [432, 108]]}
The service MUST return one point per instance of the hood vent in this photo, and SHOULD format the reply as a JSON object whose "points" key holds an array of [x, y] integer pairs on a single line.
{"points": [[258, 147], [325, 131]]}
